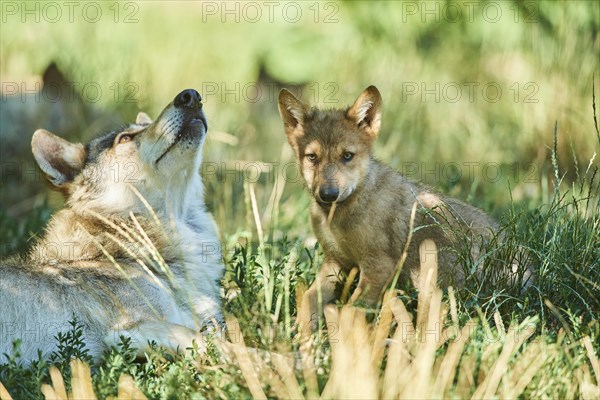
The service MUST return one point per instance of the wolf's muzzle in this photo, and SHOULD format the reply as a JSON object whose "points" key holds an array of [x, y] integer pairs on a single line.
{"points": [[189, 98], [183, 119], [190, 102], [328, 193]]}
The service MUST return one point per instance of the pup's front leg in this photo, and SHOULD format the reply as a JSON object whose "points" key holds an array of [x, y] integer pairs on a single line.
{"points": [[325, 282], [374, 276]]}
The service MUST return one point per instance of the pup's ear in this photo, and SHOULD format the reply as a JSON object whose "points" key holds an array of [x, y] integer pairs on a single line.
{"points": [[143, 119], [292, 113], [59, 159], [366, 111]]}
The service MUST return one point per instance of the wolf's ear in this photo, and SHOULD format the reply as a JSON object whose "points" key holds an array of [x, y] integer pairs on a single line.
{"points": [[59, 159], [366, 111], [292, 113], [143, 119]]}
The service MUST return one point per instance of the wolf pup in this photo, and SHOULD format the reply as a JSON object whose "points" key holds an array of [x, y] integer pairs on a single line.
{"points": [[369, 227], [134, 252]]}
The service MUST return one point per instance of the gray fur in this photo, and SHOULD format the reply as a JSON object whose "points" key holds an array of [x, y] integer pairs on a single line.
{"points": [[120, 268]]}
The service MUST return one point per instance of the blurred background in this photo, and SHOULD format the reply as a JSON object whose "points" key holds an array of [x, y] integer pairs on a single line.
{"points": [[472, 92]]}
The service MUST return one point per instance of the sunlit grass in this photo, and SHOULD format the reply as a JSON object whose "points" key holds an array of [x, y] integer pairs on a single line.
{"points": [[398, 356], [484, 340]]}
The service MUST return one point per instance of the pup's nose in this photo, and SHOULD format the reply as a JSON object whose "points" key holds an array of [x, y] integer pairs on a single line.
{"points": [[189, 98], [329, 194]]}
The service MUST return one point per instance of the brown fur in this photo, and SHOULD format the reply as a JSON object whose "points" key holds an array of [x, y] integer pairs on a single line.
{"points": [[371, 223]]}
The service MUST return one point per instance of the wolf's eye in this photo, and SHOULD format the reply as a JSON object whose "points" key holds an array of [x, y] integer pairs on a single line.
{"points": [[311, 157], [125, 138], [347, 156]]}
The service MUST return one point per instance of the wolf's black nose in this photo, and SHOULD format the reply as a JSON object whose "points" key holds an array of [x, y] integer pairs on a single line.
{"points": [[329, 194], [188, 98]]}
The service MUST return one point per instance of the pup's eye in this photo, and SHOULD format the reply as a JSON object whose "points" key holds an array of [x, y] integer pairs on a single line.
{"points": [[347, 156], [311, 157], [125, 138]]}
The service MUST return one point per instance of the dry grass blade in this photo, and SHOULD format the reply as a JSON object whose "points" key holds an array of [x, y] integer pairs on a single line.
{"points": [[407, 376], [560, 317], [4, 395], [238, 347], [400, 264], [405, 322], [331, 212], [453, 306], [429, 340], [255, 213], [118, 266], [333, 323], [58, 389], [128, 389], [532, 367], [332, 317], [82, 386], [133, 237], [306, 355], [399, 357], [271, 213], [449, 364], [513, 340], [308, 370], [382, 330], [268, 376], [286, 372], [81, 381], [593, 358], [499, 324], [588, 388], [352, 374], [349, 279], [427, 281], [50, 394], [140, 262], [306, 345], [146, 204], [254, 363]]}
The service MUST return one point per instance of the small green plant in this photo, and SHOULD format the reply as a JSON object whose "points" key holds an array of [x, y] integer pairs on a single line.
{"points": [[70, 345], [24, 381]]}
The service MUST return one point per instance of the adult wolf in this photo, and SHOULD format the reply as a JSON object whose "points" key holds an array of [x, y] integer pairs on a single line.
{"points": [[134, 252]]}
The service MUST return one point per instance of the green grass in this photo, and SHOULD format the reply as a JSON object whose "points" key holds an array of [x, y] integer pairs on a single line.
{"points": [[264, 277]]}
